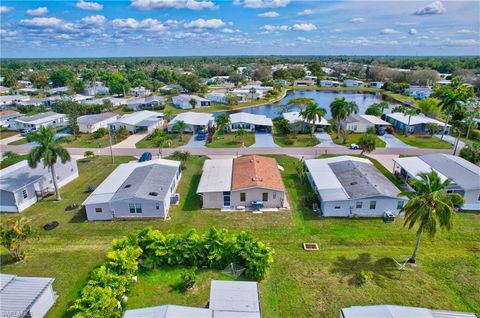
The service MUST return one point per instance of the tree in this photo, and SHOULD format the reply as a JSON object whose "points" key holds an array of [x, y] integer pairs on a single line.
{"points": [[430, 107], [117, 83], [240, 134], [471, 152], [236, 78], [48, 151], [231, 98], [367, 143], [62, 77], [252, 91], [89, 154], [341, 109], [409, 111], [167, 115], [193, 103], [222, 121], [374, 110], [429, 207], [180, 126], [313, 113], [14, 235], [282, 126], [472, 115], [432, 128]]}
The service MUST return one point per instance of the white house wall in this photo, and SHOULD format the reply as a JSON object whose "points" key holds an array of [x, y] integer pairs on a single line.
{"points": [[472, 201], [255, 194], [348, 208], [43, 303], [212, 200]]}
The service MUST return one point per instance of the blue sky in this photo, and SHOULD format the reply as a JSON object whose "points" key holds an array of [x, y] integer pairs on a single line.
{"points": [[240, 27]]}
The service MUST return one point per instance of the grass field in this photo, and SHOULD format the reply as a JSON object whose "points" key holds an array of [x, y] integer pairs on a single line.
{"points": [[5, 133], [174, 141], [229, 140], [421, 141], [299, 284], [354, 138], [87, 141], [297, 140], [12, 160]]}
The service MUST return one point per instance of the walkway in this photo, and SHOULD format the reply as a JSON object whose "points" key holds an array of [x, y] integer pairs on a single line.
{"points": [[325, 140], [193, 143], [393, 142], [130, 141], [263, 140]]}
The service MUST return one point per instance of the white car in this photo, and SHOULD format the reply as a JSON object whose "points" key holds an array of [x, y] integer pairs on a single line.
{"points": [[354, 146]]}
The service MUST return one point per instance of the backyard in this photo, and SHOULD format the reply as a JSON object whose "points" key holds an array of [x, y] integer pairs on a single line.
{"points": [[299, 283], [424, 141], [354, 138], [170, 141], [295, 140], [230, 140]]}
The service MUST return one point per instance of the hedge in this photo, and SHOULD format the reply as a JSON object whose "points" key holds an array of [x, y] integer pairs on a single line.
{"points": [[103, 295]]}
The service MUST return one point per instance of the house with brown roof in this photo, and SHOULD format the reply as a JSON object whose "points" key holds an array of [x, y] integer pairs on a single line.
{"points": [[250, 182]]}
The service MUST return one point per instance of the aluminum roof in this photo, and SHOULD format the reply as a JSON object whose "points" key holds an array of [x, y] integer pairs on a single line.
{"points": [[169, 311], [414, 165], [18, 294], [232, 296], [414, 120], [138, 117], [187, 98], [248, 118], [393, 311], [375, 120], [95, 118], [40, 118], [216, 176], [191, 118], [294, 117]]}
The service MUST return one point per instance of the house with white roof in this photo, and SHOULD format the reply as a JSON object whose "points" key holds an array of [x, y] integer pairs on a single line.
{"points": [[362, 123], [395, 311], [140, 91], [34, 122], [228, 299], [195, 121], [24, 297], [135, 190], [183, 101], [221, 97], [22, 186], [78, 97], [376, 84], [463, 175], [352, 187], [295, 118], [58, 90], [329, 83], [91, 123], [252, 91], [116, 101], [145, 102], [415, 124], [8, 100], [173, 87], [7, 116], [24, 84], [96, 88], [419, 92], [138, 122], [352, 83], [304, 82], [250, 122]]}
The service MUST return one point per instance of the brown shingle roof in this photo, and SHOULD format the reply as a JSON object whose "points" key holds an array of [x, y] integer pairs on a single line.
{"points": [[256, 171]]}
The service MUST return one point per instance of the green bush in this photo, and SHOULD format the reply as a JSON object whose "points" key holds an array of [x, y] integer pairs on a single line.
{"points": [[99, 133], [475, 134], [188, 279]]}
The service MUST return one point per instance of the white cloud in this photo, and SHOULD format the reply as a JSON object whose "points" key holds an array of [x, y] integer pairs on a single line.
{"points": [[412, 31], [275, 28], [177, 4], [435, 7], [5, 9], [269, 14], [205, 24], [358, 20], [37, 12], [94, 20], [464, 31], [306, 27], [50, 24], [7, 33], [467, 42], [152, 25], [261, 4], [305, 12], [91, 6], [406, 23], [389, 31], [228, 30]]}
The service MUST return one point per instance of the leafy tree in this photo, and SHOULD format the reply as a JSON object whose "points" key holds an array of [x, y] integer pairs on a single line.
{"points": [[62, 77], [89, 154], [222, 121], [282, 126], [432, 129], [241, 134], [312, 113], [472, 114], [471, 152], [188, 278], [182, 156], [47, 151], [180, 126], [252, 92], [168, 115], [14, 235], [39, 79], [429, 207], [316, 69], [430, 107], [341, 109], [374, 110], [282, 74], [236, 78], [367, 143], [231, 98], [117, 83]]}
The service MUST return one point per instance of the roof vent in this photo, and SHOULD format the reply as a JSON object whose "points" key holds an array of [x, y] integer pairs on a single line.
{"points": [[251, 160], [153, 194], [127, 186], [353, 183]]}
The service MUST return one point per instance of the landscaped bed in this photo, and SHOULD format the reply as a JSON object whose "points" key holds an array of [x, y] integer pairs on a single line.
{"points": [[295, 140], [231, 140], [171, 141], [424, 141], [354, 138]]}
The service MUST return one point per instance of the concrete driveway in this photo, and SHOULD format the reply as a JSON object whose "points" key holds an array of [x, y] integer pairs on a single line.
{"points": [[325, 140], [193, 143], [130, 141], [264, 140], [393, 142]]}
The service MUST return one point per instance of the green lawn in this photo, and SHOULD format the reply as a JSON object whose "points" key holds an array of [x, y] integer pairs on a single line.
{"points": [[424, 141], [87, 141], [299, 284], [174, 141], [230, 140], [295, 140], [5, 133], [19, 142], [10, 161], [354, 138]]}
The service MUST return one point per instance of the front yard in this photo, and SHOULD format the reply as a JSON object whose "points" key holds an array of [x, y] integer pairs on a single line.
{"points": [[299, 284], [170, 141], [354, 138], [230, 140], [295, 140], [5, 133], [424, 141]]}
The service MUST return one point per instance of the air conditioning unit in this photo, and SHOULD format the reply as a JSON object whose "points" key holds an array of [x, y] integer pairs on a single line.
{"points": [[175, 198]]}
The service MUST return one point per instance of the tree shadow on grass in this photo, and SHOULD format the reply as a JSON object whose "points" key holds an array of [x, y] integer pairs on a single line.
{"points": [[360, 270], [79, 215]]}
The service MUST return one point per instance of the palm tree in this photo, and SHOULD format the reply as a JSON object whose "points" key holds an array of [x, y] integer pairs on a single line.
{"points": [[48, 150], [241, 133], [193, 103], [429, 206], [408, 111], [180, 126], [222, 121], [252, 91], [341, 109], [383, 106], [367, 143], [311, 113], [472, 114]]}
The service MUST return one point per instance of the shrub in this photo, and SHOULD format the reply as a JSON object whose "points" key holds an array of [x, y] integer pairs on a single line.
{"points": [[471, 153], [99, 133], [390, 129], [475, 134], [188, 279]]}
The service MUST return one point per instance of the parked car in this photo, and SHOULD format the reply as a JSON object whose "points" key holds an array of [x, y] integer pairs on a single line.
{"points": [[146, 156], [381, 130], [201, 136], [24, 132], [388, 216], [354, 146]]}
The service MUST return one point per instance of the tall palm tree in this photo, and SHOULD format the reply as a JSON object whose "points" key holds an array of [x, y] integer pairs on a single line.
{"points": [[408, 111], [472, 114], [252, 91], [341, 109], [429, 206], [222, 121], [48, 150], [311, 113]]}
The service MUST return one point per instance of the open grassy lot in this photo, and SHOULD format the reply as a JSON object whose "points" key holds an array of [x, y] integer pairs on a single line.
{"points": [[354, 138], [299, 284], [421, 141], [295, 140], [173, 141], [5, 133], [230, 140], [87, 141]]}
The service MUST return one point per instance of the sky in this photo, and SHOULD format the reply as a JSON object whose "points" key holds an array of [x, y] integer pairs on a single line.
{"points": [[240, 27]]}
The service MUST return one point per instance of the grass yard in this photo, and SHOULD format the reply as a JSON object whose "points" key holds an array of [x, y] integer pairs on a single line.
{"points": [[18, 142], [12, 160], [297, 140], [230, 140], [5, 133], [421, 141], [354, 138], [299, 283], [87, 141], [174, 141]]}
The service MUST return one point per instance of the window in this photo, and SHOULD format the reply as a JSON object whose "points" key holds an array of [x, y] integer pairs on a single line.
{"points": [[359, 204], [157, 206], [265, 196], [135, 208], [243, 197], [98, 210], [274, 195], [337, 207], [373, 205], [399, 205], [24, 193]]}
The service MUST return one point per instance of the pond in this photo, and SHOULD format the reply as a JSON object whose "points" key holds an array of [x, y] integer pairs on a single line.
{"points": [[323, 98]]}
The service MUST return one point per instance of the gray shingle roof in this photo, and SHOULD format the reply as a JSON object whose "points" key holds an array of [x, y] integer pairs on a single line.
{"points": [[95, 118]]}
